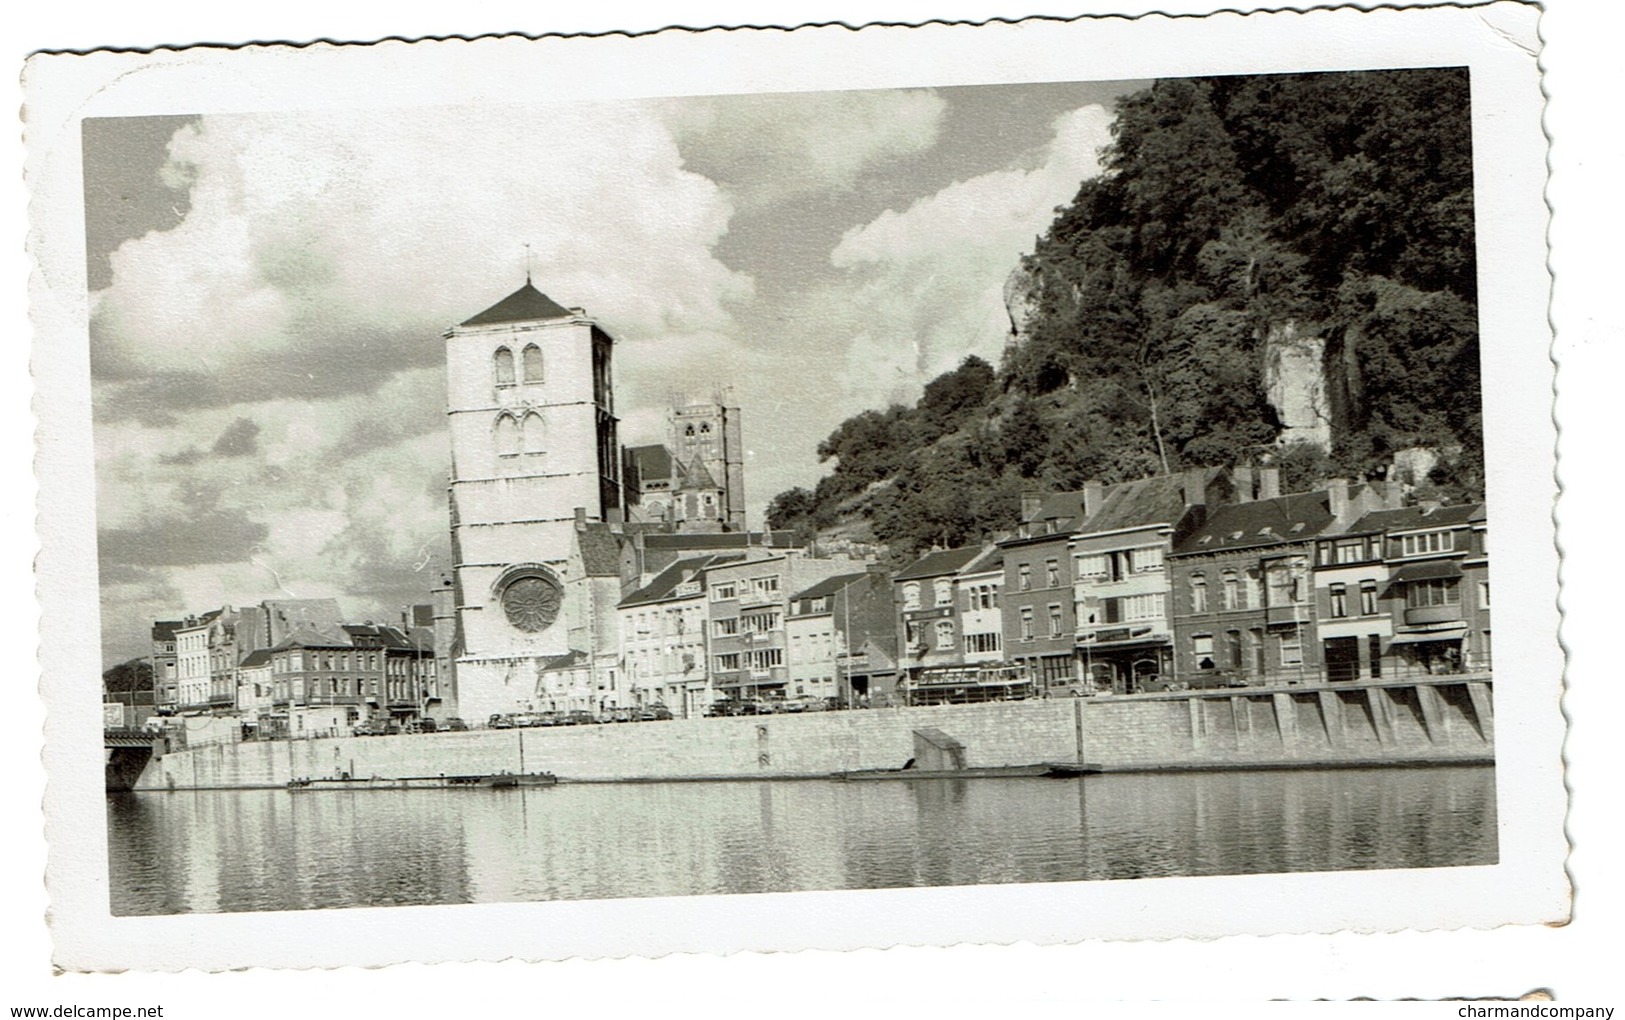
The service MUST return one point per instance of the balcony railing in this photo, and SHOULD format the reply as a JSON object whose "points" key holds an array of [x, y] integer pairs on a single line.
{"points": [[1295, 612], [1433, 614]]}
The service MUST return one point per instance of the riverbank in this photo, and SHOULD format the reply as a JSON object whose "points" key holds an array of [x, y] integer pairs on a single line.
{"points": [[1441, 720]]}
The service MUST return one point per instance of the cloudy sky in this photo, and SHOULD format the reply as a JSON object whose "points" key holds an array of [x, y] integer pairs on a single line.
{"points": [[268, 295]]}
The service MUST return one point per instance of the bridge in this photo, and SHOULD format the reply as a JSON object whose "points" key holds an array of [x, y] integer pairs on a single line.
{"points": [[128, 750]]}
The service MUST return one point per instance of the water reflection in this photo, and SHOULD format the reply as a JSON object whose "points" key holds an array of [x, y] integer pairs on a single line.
{"points": [[272, 850]]}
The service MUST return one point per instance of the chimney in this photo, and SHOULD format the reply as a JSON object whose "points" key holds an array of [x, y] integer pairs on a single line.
{"points": [[1094, 494], [1337, 498], [1031, 500], [1195, 486], [1243, 477], [1269, 482], [581, 516]]}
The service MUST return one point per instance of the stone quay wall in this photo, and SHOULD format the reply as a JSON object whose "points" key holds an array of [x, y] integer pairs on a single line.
{"points": [[1441, 720]]}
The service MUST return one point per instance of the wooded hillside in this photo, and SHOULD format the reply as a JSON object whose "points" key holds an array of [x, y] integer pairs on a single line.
{"points": [[1233, 213]]}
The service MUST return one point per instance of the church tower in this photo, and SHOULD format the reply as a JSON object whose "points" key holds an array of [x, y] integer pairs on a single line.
{"points": [[531, 410], [708, 434]]}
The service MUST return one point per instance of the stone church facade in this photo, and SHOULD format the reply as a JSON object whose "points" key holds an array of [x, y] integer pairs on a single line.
{"points": [[530, 403]]}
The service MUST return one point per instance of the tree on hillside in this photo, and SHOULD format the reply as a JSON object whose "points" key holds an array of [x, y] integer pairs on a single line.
{"points": [[128, 677]]}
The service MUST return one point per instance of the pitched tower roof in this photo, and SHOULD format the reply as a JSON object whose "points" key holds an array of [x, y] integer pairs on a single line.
{"points": [[527, 304]]}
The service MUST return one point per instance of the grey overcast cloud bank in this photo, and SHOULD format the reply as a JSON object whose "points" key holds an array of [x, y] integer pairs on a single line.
{"points": [[268, 293]]}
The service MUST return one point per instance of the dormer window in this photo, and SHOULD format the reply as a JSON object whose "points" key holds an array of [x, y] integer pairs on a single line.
{"points": [[1427, 542]]}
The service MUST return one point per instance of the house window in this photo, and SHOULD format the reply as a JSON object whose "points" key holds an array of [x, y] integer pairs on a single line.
{"points": [[1340, 600], [1139, 607], [1233, 649], [1253, 593], [1291, 649], [764, 659], [911, 595], [1484, 594], [1368, 598], [1026, 623], [1374, 654], [728, 662], [532, 359], [1052, 573], [943, 591], [1089, 565], [765, 587], [1232, 589], [945, 635], [983, 642], [1427, 542], [1054, 620], [1198, 593], [724, 590], [1345, 550], [728, 626], [1147, 559], [1202, 648], [1285, 581], [1436, 591], [760, 623], [504, 366], [1024, 577]]}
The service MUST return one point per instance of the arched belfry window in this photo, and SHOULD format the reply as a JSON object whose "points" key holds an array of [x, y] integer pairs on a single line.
{"points": [[507, 436], [504, 366], [534, 434], [532, 361]]}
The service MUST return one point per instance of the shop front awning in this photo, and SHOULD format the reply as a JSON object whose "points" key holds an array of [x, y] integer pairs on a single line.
{"points": [[1453, 632]]}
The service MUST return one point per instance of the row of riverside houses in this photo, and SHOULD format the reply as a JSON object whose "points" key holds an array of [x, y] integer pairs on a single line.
{"points": [[1205, 578], [684, 620], [292, 666]]}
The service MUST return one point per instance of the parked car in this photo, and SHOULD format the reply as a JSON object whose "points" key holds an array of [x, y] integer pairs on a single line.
{"points": [[501, 722], [725, 708], [427, 725], [369, 728], [577, 717], [456, 725]]}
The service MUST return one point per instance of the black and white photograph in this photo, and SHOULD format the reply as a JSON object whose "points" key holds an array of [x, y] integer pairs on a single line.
{"points": [[917, 482]]}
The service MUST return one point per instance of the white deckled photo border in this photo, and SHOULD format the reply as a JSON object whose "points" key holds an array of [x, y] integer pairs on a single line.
{"points": [[1498, 42]]}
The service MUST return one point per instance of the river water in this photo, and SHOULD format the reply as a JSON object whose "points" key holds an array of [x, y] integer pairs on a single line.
{"points": [[274, 850]]}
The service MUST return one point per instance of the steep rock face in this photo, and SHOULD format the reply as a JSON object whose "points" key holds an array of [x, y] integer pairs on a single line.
{"points": [[1295, 384], [1025, 289]]}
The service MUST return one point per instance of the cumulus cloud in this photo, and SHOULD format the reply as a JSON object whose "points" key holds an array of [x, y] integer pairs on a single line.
{"points": [[321, 253], [769, 148], [929, 280]]}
